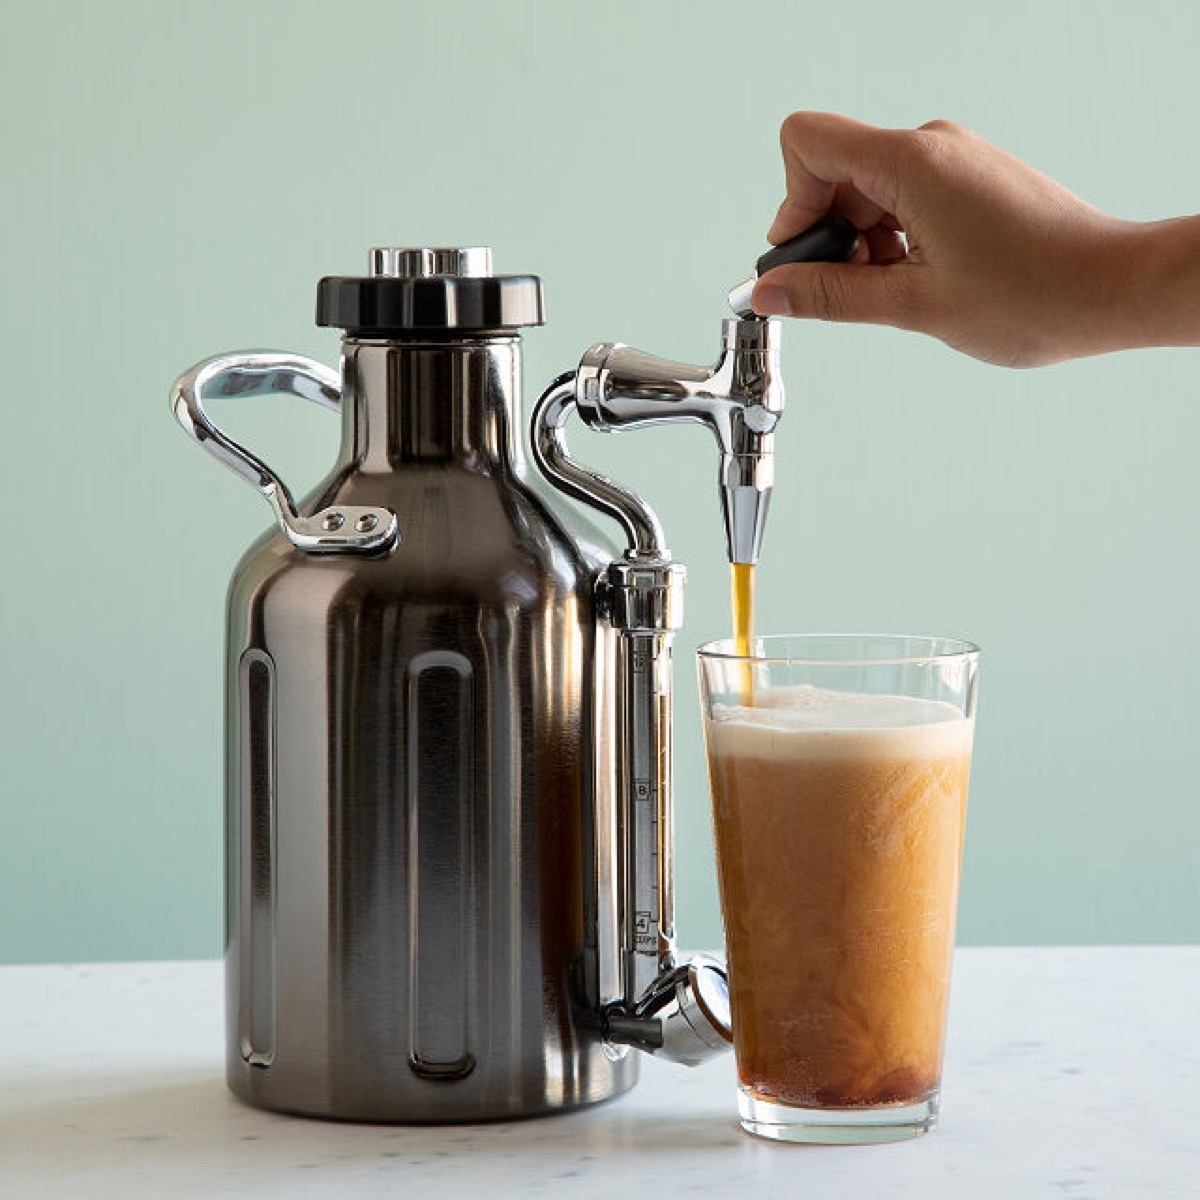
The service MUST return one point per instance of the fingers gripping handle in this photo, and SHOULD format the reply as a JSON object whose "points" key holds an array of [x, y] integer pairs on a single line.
{"points": [[831, 239], [342, 528]]}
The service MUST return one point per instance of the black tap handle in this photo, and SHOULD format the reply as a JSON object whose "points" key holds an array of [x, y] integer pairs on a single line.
{"points": [[831, 239]]}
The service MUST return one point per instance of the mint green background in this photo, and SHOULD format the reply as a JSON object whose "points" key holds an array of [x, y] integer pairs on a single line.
{"points": [[177, 176]]}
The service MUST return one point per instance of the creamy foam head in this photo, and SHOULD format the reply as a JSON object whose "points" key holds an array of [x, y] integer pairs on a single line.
{"points": [[807, 722]]}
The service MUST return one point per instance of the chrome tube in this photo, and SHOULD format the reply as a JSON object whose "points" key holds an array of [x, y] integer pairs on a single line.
{"points": [[680, 1012], [549, 443]]}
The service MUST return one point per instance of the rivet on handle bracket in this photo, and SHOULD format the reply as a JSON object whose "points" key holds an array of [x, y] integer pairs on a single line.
{"points": [[340, 529]]}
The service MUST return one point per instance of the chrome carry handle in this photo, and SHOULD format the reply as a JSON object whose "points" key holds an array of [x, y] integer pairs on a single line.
{"points": [[340, 529]]}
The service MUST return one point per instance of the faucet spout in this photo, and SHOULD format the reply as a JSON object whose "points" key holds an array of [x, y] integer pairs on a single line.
{"points": [[748, 468]]}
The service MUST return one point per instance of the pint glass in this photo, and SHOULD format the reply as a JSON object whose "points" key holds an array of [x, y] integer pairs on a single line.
{"points": [[838, 767]]}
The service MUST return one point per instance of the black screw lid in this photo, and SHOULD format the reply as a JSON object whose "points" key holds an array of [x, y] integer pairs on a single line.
{"points": [[426, 290]]}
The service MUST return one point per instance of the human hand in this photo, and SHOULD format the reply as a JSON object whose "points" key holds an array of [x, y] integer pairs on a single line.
{"points": [[962, 241]]}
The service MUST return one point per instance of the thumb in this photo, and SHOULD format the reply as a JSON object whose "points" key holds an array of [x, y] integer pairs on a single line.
{"points": [[876, 294]]}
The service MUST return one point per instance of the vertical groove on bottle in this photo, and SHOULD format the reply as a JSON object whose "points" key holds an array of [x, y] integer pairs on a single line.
{"points": [[257, 814], [439, 785]]}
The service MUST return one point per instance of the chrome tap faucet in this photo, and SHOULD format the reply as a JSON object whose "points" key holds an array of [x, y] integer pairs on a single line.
{"points": [[740, 399]]}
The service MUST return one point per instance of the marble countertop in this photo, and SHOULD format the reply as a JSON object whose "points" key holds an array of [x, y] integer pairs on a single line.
{"points": [[1071, 1073]]}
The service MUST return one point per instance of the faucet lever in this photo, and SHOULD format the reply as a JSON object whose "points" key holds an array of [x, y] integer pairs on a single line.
{"points": [[831, 239]]}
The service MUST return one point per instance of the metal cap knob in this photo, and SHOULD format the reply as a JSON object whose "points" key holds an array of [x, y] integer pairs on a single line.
{"points": [[413, 262]]}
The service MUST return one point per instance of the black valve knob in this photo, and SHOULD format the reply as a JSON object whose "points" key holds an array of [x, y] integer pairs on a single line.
{"points": [[831, 239]]}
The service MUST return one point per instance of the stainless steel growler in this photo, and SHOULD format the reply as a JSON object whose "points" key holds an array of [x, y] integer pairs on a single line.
{"points": [[448, 842]]}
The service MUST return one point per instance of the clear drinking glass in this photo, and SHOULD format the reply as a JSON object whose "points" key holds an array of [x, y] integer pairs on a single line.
{"points": [[838, 766]]}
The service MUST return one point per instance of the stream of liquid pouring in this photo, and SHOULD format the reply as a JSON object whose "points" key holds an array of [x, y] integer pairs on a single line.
{"points": [[742, 588]]}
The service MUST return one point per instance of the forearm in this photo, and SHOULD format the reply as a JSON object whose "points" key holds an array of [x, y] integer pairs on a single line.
{"points": [[1160, 302]]}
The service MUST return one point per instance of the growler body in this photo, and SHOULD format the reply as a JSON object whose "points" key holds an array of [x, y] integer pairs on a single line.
{"points": [[448, 793], [412, 771]]}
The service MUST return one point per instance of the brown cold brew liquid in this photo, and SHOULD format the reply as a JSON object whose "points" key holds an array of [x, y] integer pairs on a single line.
{"points": [[741, 578], [838, 855]]}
